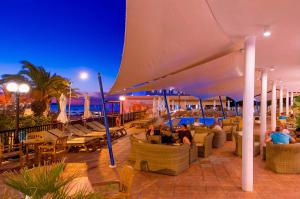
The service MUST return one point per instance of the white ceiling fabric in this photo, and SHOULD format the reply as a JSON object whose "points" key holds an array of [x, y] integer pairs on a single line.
{"points": [[194, 45]]}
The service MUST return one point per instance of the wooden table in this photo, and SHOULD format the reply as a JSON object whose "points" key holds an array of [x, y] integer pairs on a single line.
{"points": [[35, 143]]}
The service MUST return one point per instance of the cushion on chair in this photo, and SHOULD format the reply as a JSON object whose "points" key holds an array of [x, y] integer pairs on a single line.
{"points": [[199, 137]]}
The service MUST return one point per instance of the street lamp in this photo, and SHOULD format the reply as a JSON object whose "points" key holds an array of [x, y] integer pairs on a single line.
{"points": [[122, 98], [18, 89]]}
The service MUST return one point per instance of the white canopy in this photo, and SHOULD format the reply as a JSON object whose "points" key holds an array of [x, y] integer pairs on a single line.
{"points": [[197, 45]]}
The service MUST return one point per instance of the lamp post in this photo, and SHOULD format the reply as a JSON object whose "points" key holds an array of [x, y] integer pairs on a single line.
{"points": [[122, 98], [18, 89], [70, 98]]}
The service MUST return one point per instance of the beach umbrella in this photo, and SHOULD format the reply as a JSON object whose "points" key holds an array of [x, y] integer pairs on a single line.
{"points": [[173, 105], [87, 112], [62, 117], [154, 107]]}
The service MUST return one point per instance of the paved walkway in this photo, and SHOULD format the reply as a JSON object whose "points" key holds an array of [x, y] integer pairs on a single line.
{"points": [[218, 176]]}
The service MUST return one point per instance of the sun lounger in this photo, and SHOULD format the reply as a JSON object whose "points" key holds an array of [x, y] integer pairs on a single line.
{"points": [[87, 143], [88, 131], [116, 131], [141, 123]]}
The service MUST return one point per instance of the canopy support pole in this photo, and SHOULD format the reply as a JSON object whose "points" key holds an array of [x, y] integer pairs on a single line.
{"points": [[287, 108], [168, 111], [222, 108], [202, 110], [273, 108], [281, 100], [236, 108], [111, 155], [263, 108], [248, 109]]}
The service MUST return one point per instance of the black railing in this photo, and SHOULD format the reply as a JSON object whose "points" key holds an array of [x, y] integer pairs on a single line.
{"points": [[8, 137]]}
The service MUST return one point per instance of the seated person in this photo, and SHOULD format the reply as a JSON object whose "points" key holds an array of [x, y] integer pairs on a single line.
{"points": [[167, 138], [278, 137], [197, 123], [216, 127], [185, 135], [284, 129], [118, 121], [152, 131], [282, 116], [298, 132]]}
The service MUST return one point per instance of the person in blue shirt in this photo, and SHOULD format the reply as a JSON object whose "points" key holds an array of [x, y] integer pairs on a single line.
{"points": [[282, 117], [278, 137]]}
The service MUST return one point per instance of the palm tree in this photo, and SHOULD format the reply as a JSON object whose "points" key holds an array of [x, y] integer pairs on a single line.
{"points": [[44, 85]]}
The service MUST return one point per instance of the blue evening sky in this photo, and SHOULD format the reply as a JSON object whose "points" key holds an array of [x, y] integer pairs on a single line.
{"points": [[64, 36]]}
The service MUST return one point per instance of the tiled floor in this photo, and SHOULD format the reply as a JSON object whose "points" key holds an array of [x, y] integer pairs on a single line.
{"points": [[218, 176]]}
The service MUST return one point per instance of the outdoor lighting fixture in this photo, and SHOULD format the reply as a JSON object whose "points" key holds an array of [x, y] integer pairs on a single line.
{"points": [[15, 88], [267, 32], [272, 68], [83, 75], [24, 88], [122, 98]]}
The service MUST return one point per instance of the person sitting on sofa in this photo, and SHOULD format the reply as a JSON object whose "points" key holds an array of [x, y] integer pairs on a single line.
{"points": [[153, 130], [278, 137], [297, 132], [185, 135]]}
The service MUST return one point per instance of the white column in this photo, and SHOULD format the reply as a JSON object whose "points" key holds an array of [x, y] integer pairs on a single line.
{"points": [[287, 108], [273, 109], [281, 100], [292, 98], [248, 109], [263, 108]]}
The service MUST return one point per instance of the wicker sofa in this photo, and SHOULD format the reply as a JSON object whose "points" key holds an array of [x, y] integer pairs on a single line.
{"points": [[160, 158], [283, 158], [238, 144], [163, 159]]}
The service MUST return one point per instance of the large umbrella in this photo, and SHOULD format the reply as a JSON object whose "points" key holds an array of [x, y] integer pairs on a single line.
{"points": [[62, 117], [87, 112], [154, 107]]}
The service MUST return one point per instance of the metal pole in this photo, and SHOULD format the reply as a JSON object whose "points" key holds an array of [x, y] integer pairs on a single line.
{"points": [[168, 111], [123, 112], [202, 110], [70, 99], [236, 108], [111, 155], [16, 139], [224, 115]]}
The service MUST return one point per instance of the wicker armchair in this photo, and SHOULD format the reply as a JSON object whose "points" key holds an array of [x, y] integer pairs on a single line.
{"points": [[205, 149], [238, 144], [218, 139], [201, 129], [283, 158], [125, 184], [53, 151]]}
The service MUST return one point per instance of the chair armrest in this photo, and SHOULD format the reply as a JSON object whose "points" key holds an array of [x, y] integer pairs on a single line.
{"points": [[97, 184]]}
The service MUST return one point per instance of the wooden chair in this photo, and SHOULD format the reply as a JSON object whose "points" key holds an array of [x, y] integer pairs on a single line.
{"points": [[11, 151], [59, 148], [125, 183]]}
